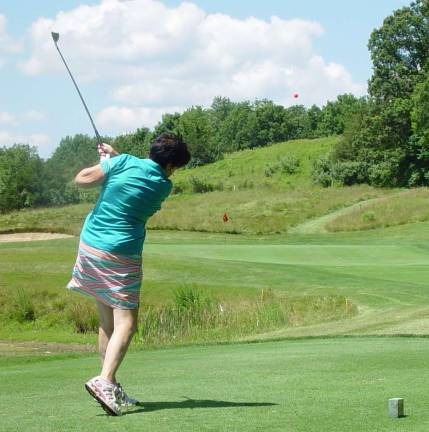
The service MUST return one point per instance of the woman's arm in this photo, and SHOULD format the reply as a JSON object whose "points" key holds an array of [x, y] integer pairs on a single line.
{"points": [[93, 176], [88, 177]]}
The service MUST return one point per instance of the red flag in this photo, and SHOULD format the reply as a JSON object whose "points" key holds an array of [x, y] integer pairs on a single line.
{"points": [[225, 217]]}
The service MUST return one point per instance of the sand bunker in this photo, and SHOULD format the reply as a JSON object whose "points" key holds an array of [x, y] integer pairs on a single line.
{"points": [[20, 237]]}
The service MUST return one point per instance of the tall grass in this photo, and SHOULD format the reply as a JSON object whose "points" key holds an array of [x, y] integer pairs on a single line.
{"points": [[406, 207], [194, 316], [190, 316], [49, 310], [22, 307]]}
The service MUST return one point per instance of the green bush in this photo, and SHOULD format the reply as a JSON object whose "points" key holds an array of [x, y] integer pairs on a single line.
{"points": [[177, 189], [270, 170], [383, 174], [321, 173], [289, 164], [368, 216], [200, 186], [349, 173]]}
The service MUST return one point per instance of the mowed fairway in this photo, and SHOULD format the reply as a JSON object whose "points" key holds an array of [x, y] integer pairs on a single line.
{"points": [[340, 384]]}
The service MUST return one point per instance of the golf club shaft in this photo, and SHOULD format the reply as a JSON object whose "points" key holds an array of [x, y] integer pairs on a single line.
{"points": [[99, 140]]}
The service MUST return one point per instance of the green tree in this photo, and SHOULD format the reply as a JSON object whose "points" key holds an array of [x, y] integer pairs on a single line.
{"points": [[168, 123], [377, 140], [296, 123], [335, 114], [220, 109], [314, 114], [270, 126], [196, 130], [399, 51], [73, 154], [379, 137], [419, 141], [134, 143], [239, 129], [21, 178]]}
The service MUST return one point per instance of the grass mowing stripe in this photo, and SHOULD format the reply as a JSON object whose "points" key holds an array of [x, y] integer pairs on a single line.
{"points": [[330, 255], [304, 385]]}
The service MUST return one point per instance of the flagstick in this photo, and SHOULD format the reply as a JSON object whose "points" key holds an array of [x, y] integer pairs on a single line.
{"points": [[225, 220]]}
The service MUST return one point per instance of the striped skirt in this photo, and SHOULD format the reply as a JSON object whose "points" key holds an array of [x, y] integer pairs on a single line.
{"points": [[111, 279]]}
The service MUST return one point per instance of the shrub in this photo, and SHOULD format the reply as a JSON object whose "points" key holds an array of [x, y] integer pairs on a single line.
{"points": [[368, 216], [321, 172], [269, 170], [383, 174], [349, 173], [289, 164], [200, 186], [177, 189]]}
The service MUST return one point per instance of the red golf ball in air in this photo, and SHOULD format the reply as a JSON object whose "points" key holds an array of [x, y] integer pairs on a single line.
{"points": [[296, 95]]}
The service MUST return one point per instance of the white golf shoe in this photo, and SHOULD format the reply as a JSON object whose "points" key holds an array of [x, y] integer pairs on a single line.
{"points": [[105, 394], [123, 398]]}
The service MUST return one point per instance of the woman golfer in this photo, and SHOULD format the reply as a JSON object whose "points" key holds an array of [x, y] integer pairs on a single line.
{"points": [[109, 265]]}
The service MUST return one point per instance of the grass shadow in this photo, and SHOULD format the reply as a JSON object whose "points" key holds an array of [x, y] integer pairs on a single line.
{"points": [[193, 404]]}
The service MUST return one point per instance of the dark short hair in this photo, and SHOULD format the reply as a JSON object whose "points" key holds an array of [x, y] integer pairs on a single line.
{"points": [[169, 148]]}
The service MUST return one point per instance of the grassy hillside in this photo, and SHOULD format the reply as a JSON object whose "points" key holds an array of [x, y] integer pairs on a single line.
{"points": [[264, 191]]}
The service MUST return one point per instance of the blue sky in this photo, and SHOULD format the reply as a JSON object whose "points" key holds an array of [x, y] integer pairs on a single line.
{"points": [[136, 59]]}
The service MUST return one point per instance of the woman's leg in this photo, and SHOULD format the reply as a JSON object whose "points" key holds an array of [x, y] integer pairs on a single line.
{"points": [[125, 325], [105, 328]]}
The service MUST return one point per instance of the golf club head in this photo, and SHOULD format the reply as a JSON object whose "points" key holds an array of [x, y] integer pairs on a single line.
{"points": [[55, 36]]}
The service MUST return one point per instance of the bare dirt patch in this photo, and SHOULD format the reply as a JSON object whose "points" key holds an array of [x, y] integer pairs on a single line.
{"points": [[23, 237], [9, 348]]}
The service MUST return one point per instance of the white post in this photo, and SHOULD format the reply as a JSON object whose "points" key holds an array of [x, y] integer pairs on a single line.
{"points": [[396, 407]]}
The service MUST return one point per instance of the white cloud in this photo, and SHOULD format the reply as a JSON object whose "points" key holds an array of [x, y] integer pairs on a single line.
{"points": [[39, 140], [153, 58], [8, 46], [128, 119], [34, 115], [7, 118]]}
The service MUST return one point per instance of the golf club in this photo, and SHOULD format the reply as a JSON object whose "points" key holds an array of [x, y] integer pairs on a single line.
{"points": [[56, 37]]}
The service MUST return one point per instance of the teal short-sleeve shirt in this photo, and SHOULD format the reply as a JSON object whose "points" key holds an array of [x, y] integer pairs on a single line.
{"points": [[133, 190]]}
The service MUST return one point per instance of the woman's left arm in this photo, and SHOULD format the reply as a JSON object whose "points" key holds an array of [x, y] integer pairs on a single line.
{"points": [[91, 176]]}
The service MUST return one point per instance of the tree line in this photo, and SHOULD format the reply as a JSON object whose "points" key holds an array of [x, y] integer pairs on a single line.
{"points": [[26, 180]]}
